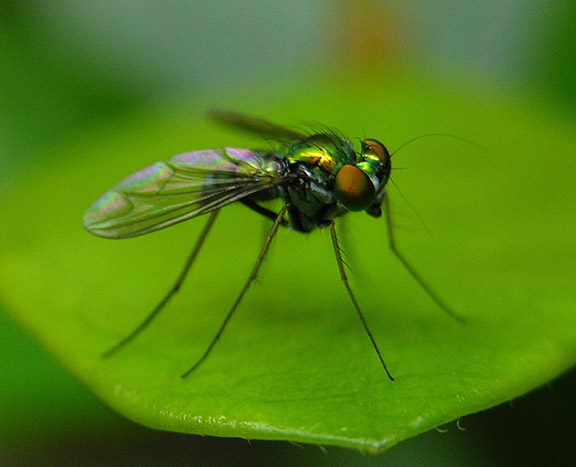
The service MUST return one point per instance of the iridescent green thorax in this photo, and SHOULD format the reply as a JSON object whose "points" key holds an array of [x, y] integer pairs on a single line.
{"points": [[327, 152]]}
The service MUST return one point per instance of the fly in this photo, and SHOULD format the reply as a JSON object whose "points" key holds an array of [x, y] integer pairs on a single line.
{"points": [[319, 177]]}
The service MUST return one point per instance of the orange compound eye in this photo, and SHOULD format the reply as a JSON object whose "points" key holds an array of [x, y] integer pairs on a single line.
{"points": [[354, 189], [371, 147]]}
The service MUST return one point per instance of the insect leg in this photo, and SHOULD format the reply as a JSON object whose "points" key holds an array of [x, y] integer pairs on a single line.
{"points": [[277, 222], [170, 293], [262, 210], [408, 266], [344, 278]]}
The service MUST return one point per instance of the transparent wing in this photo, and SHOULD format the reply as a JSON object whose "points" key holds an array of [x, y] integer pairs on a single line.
{"points": [[254, 125], [186, 186]]}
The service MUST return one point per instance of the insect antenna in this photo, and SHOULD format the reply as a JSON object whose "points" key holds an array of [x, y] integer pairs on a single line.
{"points": [[413, 272], [277, 223], [175, 288], [344, 277], [447, 135]]}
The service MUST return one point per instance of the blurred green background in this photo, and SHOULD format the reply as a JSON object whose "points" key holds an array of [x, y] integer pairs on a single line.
{"points": [[70, 65]]}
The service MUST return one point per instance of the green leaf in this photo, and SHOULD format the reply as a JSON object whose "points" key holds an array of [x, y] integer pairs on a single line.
{"points": [[294, 363]]}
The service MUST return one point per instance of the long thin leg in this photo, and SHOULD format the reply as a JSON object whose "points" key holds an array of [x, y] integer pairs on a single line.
{"points": [[350, 250], [144, 324], [262, 210], [344, 278], [251, 278], [415, 274]]}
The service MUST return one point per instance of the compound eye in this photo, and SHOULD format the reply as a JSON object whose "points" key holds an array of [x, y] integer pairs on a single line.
{"points": [[371, 147], [354, 189]]}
